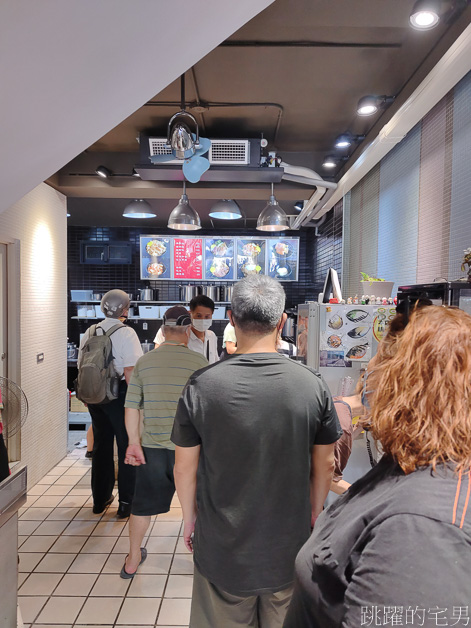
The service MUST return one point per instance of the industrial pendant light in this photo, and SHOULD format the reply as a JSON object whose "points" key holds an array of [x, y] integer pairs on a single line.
{"points": [[138, 208], [225, 209], [183, 216], [273, 217]]}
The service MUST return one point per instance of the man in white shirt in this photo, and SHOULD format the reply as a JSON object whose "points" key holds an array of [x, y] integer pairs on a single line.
{"points": [[202, 339], [108, 418]]}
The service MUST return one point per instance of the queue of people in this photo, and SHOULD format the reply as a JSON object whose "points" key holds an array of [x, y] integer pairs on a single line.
{"points": [[253, 444]]}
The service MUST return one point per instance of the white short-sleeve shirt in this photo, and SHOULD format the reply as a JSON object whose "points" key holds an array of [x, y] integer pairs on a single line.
{"points": [[207, 347], [126, 345]]}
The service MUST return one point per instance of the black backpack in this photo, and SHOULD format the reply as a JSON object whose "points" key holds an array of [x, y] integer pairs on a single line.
{"points": [[97, 380]]}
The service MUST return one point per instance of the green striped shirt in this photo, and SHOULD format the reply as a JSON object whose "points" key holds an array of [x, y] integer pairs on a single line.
{"points": [[156, 384]]}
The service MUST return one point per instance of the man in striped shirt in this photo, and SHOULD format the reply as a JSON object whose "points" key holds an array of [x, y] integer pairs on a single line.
{"points": [[156, 385]]}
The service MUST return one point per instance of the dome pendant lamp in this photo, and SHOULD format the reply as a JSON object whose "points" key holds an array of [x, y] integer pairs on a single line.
{"points": [[183, 217], [138, 208], [273, 217]]}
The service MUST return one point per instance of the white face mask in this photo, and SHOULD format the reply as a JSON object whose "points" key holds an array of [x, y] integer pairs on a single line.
{"points": [[202, 324]]}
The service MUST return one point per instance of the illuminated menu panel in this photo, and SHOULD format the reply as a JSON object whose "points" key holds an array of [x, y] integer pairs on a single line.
{"points": [[188, 258]]}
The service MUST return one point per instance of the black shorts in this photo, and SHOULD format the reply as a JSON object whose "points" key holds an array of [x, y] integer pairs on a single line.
{"points": [[155, 486]]}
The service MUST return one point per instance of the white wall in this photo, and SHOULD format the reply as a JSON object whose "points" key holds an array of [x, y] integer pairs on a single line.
{"points": [[71, 71], [39, 222]]}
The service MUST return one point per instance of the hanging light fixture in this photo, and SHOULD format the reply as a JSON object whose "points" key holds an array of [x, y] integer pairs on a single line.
{"points": [[225, 209], [138, 208], [273, 217], [183, 217], [426, 14]]}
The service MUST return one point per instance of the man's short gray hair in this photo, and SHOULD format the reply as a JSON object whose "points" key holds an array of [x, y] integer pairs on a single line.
{"points": [[174, 330], [257, 304]]}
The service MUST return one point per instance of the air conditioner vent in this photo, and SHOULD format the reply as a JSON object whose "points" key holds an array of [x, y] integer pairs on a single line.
{"points": [[222, 152]]}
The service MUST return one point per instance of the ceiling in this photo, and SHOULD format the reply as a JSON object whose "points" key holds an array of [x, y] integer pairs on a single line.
{"points": [[294, 73]]}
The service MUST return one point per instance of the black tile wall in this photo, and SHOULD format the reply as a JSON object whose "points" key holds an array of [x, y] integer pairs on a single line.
{"points": [[101, 278], [326, 247]]}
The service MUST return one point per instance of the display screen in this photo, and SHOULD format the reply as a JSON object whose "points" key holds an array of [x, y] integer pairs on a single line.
{"points": [[219, 259], [188, 258], [283, 258], [156, 256], [251, 257]]}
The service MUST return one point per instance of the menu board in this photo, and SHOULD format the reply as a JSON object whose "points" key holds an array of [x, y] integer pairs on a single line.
{"points": [[219, 259], [283, 258], [251, 257], [188, 258], [156, 252]]}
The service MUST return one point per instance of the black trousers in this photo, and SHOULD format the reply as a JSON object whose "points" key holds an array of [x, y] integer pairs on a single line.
{"points": [[4, 467], [108, 424]]}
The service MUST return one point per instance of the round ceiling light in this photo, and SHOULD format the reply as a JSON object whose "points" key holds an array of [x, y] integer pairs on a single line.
{"points": [[183, 217], [272, 217], [225, 209], [138, 208], [343, 141], [425, 14], [299, 205], [329, 162], [368, 105], [103, 171]]}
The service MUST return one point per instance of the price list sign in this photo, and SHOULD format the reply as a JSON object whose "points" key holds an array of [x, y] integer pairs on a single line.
{"points": [[188, 258]]}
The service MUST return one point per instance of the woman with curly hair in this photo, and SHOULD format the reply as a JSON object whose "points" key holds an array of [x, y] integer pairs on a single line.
{"points": [[396, 548]]}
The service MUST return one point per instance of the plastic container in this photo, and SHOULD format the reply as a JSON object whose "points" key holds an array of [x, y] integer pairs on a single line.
{"points": [[81, 295], [219, 313], [149, 311], [98, 312]]}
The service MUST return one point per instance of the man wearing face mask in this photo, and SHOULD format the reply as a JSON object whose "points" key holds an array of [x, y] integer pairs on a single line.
{"points": [[156, 384], [202, 339]]}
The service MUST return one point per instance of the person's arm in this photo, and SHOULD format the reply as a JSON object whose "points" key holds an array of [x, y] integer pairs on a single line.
{"points": [[127, 373], [134, 454], [231, 347], [322, 471], [186, 466], [339, 487]]}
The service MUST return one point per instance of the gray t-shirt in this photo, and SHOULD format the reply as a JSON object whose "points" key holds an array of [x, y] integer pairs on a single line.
{"points": [[394, 550], [257, 417]]}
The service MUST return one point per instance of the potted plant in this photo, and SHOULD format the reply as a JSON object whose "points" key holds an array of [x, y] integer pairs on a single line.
{"points": [[466, 261], [375, 285]]}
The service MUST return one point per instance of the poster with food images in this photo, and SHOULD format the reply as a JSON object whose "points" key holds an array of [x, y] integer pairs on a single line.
{"points": [[188, 258], [219, 259], [251, 257], [156, 256], [283, 258], [348, 330]]}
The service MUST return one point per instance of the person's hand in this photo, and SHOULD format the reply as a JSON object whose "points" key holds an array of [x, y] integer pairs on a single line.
{"points": [[188, 531], [134, 456]]}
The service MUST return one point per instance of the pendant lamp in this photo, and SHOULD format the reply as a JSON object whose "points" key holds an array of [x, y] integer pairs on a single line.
{"points": [[138, 208], [273, 217], [183, 216], [225, 209]]}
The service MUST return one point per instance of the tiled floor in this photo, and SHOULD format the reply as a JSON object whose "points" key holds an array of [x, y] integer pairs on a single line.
{"points": [[70, 560]]}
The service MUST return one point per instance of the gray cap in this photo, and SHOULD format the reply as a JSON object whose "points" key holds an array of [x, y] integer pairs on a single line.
{"points": [[114, 303], [177, 316]]}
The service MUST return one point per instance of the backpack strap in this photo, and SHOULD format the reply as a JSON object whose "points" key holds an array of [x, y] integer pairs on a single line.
{"points": [[111, 330]]}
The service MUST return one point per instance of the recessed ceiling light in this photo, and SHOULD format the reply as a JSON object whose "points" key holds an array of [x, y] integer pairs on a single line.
{"points": [[368, 105], [425, 14], [102, 171], [329, 162]]}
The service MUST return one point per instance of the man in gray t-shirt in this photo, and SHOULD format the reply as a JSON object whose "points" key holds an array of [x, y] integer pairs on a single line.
{"points": [[254, 440]]}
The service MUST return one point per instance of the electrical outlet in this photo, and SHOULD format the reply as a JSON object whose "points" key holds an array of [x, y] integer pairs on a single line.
{"points": [[144, 326]]}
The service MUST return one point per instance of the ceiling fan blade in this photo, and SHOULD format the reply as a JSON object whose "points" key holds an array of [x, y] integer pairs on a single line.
{"points": [[194, 168], [159, 159], [205, 145]]}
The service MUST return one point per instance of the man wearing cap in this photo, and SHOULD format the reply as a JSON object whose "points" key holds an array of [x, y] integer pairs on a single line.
{"points": [[156, 384], [108, 418]]}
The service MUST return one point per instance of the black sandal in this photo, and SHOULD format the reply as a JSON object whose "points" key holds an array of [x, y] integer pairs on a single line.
{"points": [[129, 576]]}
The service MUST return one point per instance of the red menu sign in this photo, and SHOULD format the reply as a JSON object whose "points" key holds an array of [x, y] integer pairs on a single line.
{"points": [[188, 258]]}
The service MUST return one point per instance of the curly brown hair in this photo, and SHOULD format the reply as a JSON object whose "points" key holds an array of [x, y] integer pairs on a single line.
{"points": [[420, 393]]}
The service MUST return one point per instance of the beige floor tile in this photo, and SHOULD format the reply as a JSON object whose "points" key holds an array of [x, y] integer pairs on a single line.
{"points": [[28, 561], [138, 610], [63, 514], [61, 609], [30, 607], [109, 528], [39, 489], [48, 501], [40, 584], [68, 544], [73, 501], [182, 564], [94, 626], [56, 471], [175, 502], [110, 585], [22, 539], [174, 613], [166, 528], [55, 563], [80, 491], [100, 610], [66, 462], [86, 514], [30, 500], [53, 626], [38, 543], [174, 514], [181, 549], [50, 528], [66, 480], [99, 545], [76, 584], [144, 585], [110, 513], [21, 578], [79, 528], [76, 471], [47, 480], [114, 563], [122, 544], [35, 514], [161, 544], [179, 586], [57, 490], [27, 527], [88, 563]]}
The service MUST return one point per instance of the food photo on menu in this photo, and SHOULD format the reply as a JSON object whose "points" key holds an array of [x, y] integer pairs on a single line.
{"points": [[283, 259], [219, 258], [155, 257], [250, 257]]}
